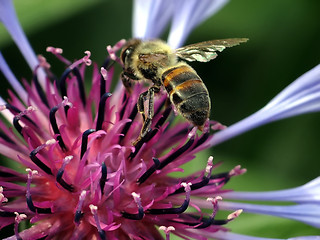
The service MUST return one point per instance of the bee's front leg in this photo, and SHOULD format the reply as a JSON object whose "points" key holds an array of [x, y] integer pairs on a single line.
{"points": [[146, 115], [127, 82]]}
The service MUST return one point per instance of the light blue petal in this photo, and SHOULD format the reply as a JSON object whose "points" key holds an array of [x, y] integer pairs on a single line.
{"points": [[302, 96], [188, 14], [151, 17]]}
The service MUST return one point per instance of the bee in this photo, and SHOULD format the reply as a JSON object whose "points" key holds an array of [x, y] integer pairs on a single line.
{"points": [[155, 61]]}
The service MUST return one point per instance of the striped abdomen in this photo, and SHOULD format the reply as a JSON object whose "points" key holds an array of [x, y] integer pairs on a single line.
{"points": [[188, 93]]}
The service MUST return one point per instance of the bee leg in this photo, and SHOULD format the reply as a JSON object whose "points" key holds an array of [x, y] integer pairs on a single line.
{"points": [[147, 116], [127, 83], [167, 103]]}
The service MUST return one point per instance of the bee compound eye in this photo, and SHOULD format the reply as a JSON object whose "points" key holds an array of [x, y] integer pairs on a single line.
{"points": [[125, 54]]}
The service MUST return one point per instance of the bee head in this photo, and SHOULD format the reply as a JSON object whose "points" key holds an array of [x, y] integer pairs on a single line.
{"points": [[128, 50]]}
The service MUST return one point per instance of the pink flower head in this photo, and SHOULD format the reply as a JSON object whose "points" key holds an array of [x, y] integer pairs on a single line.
{"points": [[86, 178]]}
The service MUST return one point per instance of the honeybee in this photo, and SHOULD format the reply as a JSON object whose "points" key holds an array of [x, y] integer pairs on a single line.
{"points": [[155, 61]]}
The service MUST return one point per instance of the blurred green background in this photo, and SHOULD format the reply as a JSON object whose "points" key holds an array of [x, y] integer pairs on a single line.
{"points": [[284, 43]]}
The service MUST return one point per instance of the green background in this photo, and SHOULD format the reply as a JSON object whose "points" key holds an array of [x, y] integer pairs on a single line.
{"points": [[284, 43]]}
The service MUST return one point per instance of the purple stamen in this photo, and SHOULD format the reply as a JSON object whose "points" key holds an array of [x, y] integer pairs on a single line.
{"points": [[6, 214], [112, 51], [127, 126], [201, 140], [57, 52], [59, 179], [149, 172], [62, 83], [106, 66], [37, 161], [177, 210], [101, 111], [167, 231], [84, 142], [54, 125], [3, 199], [94, 211], [103, 177], [28, 195], [20, 115], [79, 213], [18, 219], [205, 179], [177, 153], [140, 214]]}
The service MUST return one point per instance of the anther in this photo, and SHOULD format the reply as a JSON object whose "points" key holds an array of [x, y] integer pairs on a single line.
{"points": [[234, 215], [209, 166], [18, 219], [94, 211], [37, 161], [237, 171], [167, 230], [55, 51], [214, 202], [112, 50], [206, 126], [140, 213], [101, 110], [3, 199], [177, 210], [193, 132], [104, 73], [218, 126], [112, 53], [107, 66], [205, 180], [43, 62], [119, 45], [84, 142], [86, 59], [208, 222], [15, 110], [79, 214], [17, 118], [103, 80], [59, 179]]}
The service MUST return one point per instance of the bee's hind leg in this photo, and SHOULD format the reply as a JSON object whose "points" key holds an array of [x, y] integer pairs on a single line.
{"points": [[146, 115]]}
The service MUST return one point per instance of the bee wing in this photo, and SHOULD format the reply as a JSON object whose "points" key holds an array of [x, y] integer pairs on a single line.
{"points": [[206, 51]]}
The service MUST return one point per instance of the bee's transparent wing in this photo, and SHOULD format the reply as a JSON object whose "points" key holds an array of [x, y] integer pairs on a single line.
{"points": [[206, 51]]}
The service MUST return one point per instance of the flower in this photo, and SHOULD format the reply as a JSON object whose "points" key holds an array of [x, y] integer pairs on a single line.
{"points": [[85, 179]]}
